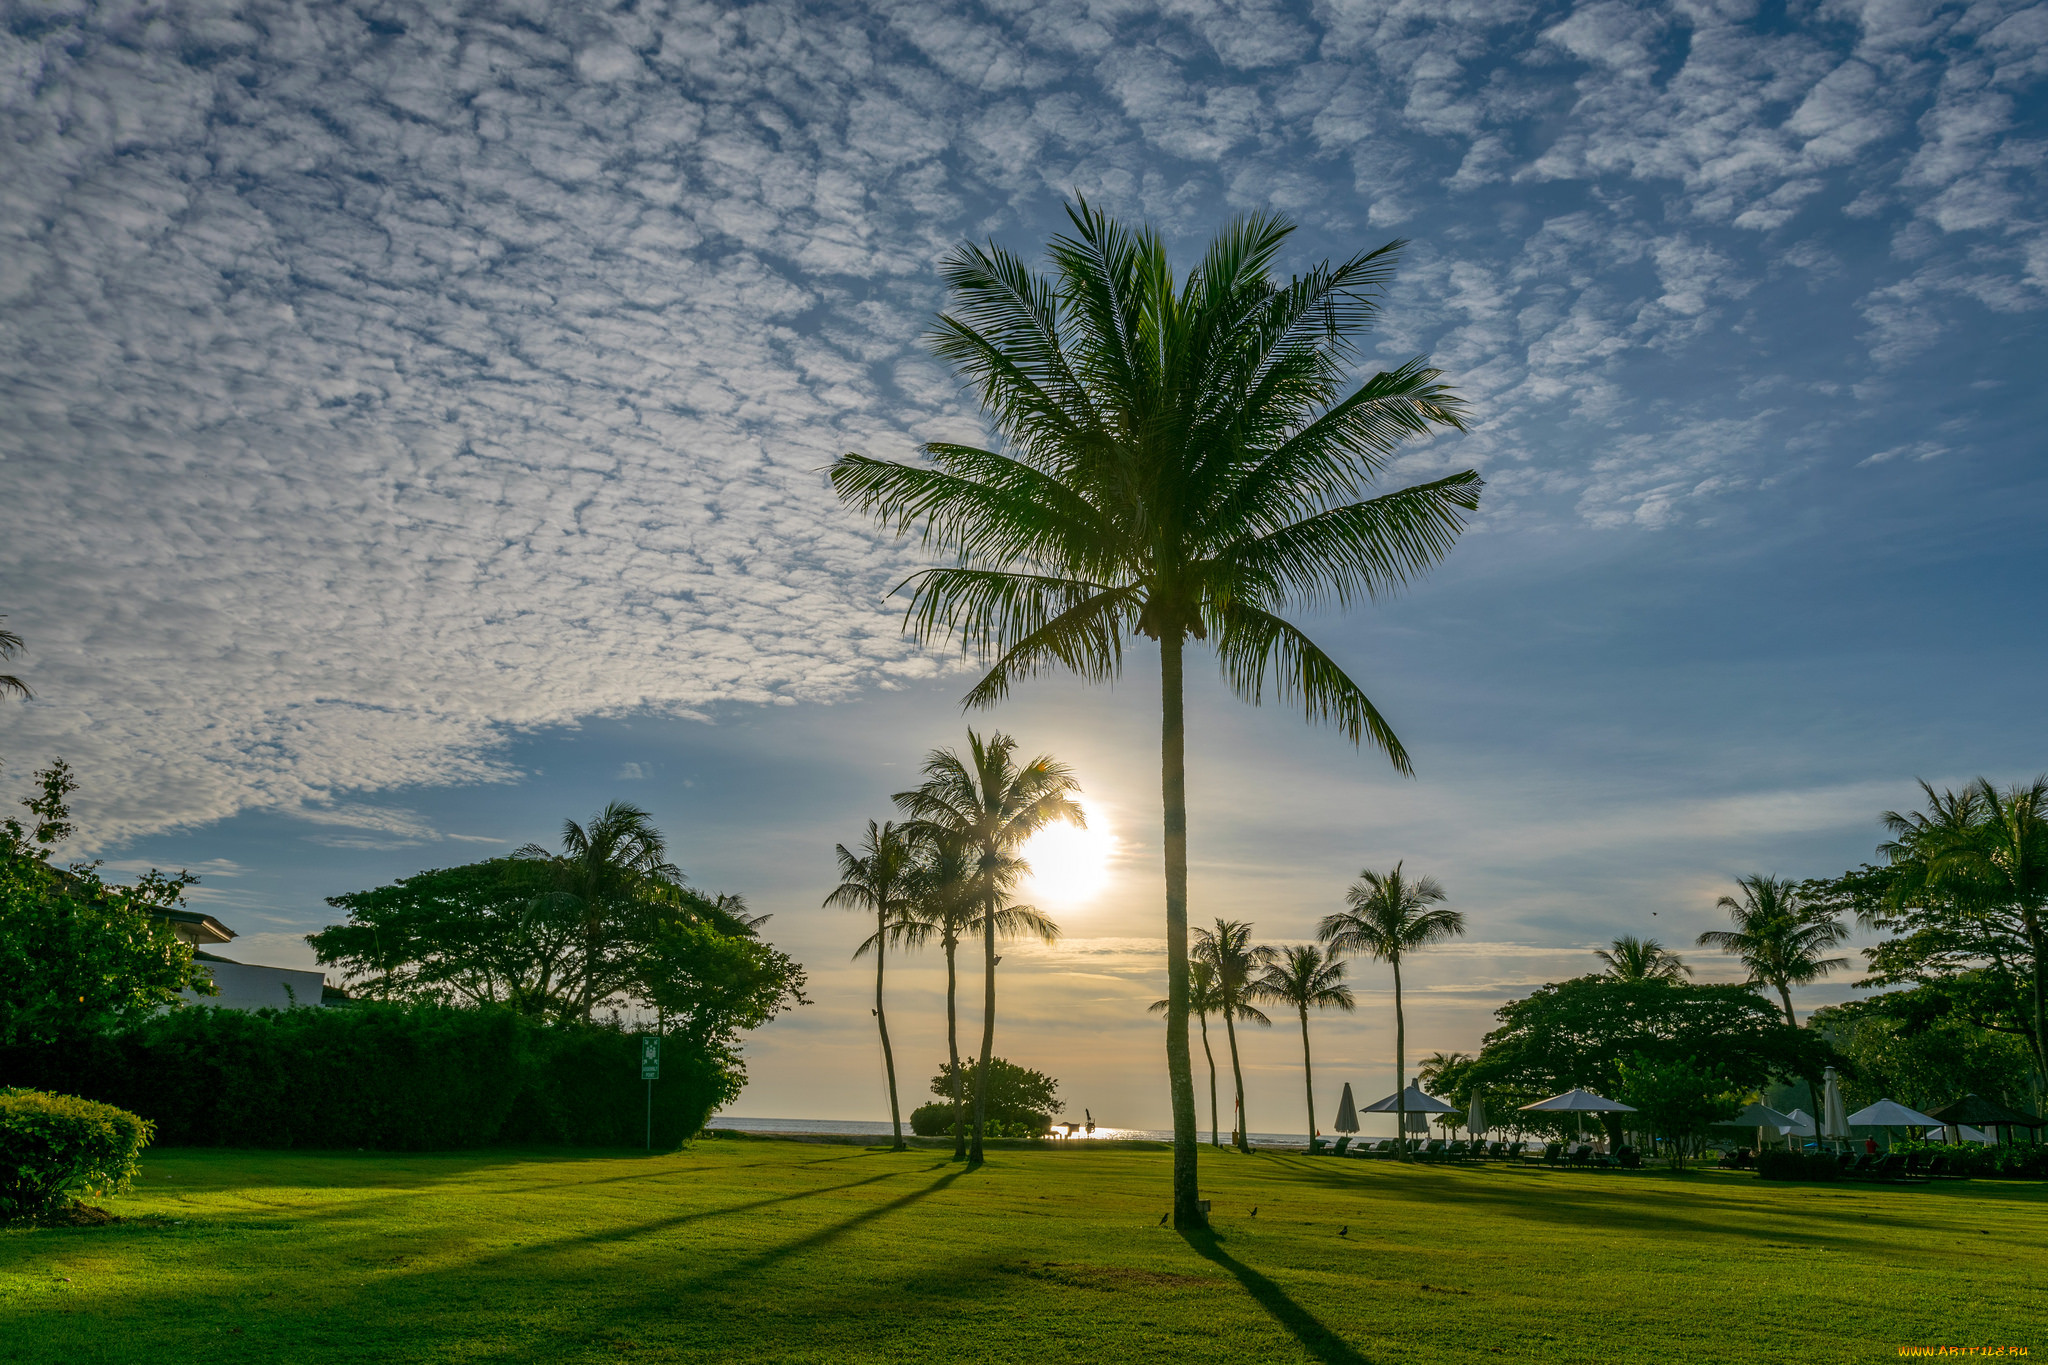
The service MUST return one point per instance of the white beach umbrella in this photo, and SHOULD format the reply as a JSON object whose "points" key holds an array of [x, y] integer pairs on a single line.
{"points": [[1416, 1103], [1475, 1117], [1891, 1114], [1834, 1115], [1580, 1102]]}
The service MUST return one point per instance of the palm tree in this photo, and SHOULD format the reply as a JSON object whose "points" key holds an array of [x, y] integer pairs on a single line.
{"points": [[1202, 1002], [1236, 965], [943, 905], [616, 863], [11, 645], [1388, 917], [1630, 958], [993, 805], [878, 880], [1307, 978], [1780, 938], [1180, 463]]}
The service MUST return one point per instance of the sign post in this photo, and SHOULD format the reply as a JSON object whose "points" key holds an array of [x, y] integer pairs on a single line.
{"points": [[650, 1072]]}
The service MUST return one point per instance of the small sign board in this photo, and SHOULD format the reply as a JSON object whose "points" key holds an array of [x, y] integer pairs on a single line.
{"points": [[650, 1057]]}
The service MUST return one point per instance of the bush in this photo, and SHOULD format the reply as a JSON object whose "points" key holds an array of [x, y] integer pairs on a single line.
{"points": [[1021, 1102], [386, 1077], [54, 1148], [1772, 1164], [2027, 1161], [934, 1120]]}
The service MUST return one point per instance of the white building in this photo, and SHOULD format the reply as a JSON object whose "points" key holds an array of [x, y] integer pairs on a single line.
{"points": [[243, 986]]}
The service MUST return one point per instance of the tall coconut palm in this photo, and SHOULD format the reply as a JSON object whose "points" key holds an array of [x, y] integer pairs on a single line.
{"points": [[11, 645], [608, 868], [1182, 461], [1780, 939], [944, 907], [1630, 958], [878, 880], [993, 804], [1236, 964], [1308, 978], [1202, 1002], [1389, 915]]}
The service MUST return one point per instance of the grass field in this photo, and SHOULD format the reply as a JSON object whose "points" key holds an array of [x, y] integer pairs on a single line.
{"points": [[764, 1251]]}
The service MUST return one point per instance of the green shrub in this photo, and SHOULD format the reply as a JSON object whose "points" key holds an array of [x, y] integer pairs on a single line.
{"points": [[54, 1148], [384, 1077], [934, 1120], [2020, 1161], [1776, 1165]]}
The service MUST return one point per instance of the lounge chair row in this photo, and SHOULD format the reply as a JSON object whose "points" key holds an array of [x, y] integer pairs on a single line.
{"points": [[1864, 1166], [1438, 1149]]}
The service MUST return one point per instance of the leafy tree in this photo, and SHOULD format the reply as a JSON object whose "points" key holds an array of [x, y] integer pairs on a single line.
{"points": [[11, 645], [1235, 964], [1016, 1100], [1580, 1032], [1181, 461], [479, 934], [78, 955], [1914, 1046], [1202, 1002], [1306, 978], [1630, 958], [1677, 1100], [993, 804], [709, 983], [877, 881], [1387, 917], [610, 871]]}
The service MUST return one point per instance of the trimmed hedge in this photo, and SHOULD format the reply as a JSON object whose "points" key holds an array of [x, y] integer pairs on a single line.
{"points": [[2003, 1161], [54, 1148], [385, 1077]]}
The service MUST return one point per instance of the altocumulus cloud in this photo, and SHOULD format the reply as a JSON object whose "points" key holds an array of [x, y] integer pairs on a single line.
{"points": [[380, 379]]}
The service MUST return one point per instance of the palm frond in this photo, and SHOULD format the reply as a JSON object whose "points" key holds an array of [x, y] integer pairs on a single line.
{"points": [[1257, 648]]}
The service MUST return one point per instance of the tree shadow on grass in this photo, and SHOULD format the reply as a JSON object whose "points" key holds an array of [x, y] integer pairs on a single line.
{"points": [[1305, 1327]]}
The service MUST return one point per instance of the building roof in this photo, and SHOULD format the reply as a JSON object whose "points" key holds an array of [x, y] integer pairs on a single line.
{"points": [[203, 928]]}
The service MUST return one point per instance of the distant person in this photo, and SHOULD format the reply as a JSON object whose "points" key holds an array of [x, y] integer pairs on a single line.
{"points": [[1870, 1146], [1090, 1116]]}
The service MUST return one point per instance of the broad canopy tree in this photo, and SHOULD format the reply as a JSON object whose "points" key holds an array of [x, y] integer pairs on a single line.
{"points": [[1182, 460], [1583, 1032]]}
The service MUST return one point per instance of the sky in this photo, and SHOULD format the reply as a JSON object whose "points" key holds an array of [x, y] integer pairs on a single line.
{"points": [[414, 417]]}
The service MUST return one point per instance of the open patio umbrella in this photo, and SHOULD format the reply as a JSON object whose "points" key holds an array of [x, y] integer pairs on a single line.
{"points": [[1347, 1113], [1890, 1114], [1581, 1102], [1418, 1105], [1979, 1112], [1760, 1118]]}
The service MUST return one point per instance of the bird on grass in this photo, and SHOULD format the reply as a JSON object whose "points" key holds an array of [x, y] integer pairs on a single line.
{"points": [[1164, 1216], [1346, 1228], [1255, 1210]]}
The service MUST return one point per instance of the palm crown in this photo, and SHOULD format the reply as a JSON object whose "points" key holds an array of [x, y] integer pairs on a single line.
{"points": [[1181, 462], [1630, 958], [1389, 915], [1305, 977], [1778, 936]]}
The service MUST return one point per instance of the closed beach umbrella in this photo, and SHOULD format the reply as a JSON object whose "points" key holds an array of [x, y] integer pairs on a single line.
{"points": [[1834, 1115], [1475, 1117], [1347, 1113]]}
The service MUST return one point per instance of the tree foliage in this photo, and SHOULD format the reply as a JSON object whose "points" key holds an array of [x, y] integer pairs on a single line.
{"points": [[78, 954], [1677, 1099], [1018, 1100]]}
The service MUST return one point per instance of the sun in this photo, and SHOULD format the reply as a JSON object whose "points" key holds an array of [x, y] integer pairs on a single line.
{"points": [[1069, 866]]}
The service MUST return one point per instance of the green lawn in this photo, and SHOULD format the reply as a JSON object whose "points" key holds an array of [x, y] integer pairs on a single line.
{"points": [[768, 1251]]}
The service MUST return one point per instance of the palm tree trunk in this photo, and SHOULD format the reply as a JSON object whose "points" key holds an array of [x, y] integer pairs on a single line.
{"points": [[1308, 1080], [953, 1049], [1400, 1069], [882, 1022], [988, 1027], [1240, 1137], [2030, 920], [1812, 1091], [1215, 1134], [1173, 788]]}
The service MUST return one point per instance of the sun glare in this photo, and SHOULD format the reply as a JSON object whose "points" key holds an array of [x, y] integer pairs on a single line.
{"points": [[1069, 866]]}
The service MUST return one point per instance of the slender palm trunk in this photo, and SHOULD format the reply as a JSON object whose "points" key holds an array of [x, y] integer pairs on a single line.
{"points": [[882, 1023], [1812, 1091], [1308, 1080], [953, 1048], [1241, 1138], [2030, 920], [988, 1027], [1400, 1069], [1173, 788], [1215, 1134]]}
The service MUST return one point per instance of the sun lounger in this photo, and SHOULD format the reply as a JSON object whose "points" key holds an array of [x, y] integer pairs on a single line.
{"points": [[1342, 1143]]}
